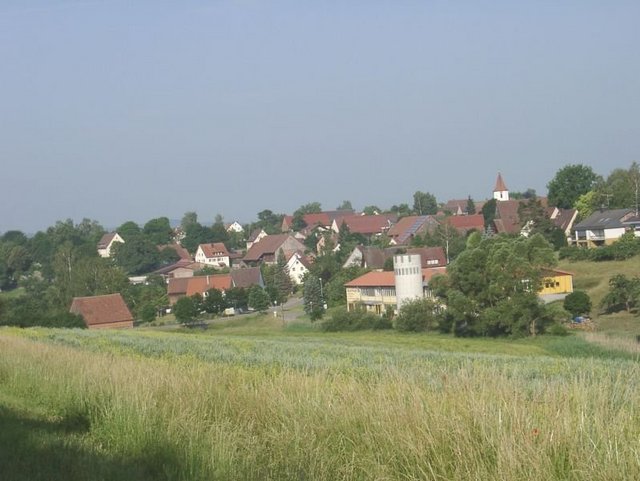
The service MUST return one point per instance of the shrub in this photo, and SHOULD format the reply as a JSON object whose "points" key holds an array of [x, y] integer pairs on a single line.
{"points": [[343, 320], [557, 330], [416, 316], [577, 303]]}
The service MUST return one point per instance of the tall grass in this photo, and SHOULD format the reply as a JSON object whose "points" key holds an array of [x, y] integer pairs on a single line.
{"points": [[435, 416]]}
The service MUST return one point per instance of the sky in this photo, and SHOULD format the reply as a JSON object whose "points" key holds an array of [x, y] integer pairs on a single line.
{"points": [[117, 110]]}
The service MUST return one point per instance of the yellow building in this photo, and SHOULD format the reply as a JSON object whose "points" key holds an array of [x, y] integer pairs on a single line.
{"points": [[556, 282]]}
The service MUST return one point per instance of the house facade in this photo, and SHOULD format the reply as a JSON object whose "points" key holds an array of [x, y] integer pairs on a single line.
{"points": [[267, 249], [603, 227], [297, 266], [214, 255], [106, 243]]}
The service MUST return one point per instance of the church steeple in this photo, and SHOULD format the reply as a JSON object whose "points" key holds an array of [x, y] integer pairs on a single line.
{"points": [[500, 191]]}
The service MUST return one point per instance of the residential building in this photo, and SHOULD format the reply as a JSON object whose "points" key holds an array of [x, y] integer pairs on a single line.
{"points": [[103, 312], [106, 243], [214, 255], [322, 220], [267, 249], [370, 257], [556, 284], [603, 227], [235, 226], [376, 291], [408, 227], [256, 236], [189, 286], [465, 223], [366, 225], [297, 266]]}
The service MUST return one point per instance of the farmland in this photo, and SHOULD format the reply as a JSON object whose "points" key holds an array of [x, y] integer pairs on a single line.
{"points": [[296, 404]]}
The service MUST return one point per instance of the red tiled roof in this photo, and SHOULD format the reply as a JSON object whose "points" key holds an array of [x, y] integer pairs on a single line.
{"points": [[181, 251], [409, 226], [374, 279], [387, 278], [368, 224], [215, 249], [465, 223], [201, 284], [96, 310], [500, 185], [507, 214], [430, 254], [269, 245]]}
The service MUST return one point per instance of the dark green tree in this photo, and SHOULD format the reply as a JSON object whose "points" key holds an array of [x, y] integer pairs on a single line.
{"points": [[158, 231], [624, 293], [137, 255], [312, 298], [471, 206], [489, 212], [569, 183], [258, 299], [214, 302], [346, 205], [186, 310], [424, 203], [129, 230], [577, 303], [417, 316], [236, 297]]}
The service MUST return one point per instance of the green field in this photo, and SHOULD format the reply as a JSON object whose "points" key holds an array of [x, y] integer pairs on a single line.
{"points": [[233, 402]]}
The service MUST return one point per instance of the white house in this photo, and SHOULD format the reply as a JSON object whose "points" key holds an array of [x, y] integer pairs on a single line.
{"points": [[603, 227], [297, 266], [106, 243], [256, 236], [235, 227], [215, 255]]}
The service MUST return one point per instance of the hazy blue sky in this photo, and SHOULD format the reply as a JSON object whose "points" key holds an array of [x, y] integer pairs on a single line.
{"points": [[118, 110]]}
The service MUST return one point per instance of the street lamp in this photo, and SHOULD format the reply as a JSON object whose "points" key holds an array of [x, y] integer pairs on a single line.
{"points": [[324, 304]]}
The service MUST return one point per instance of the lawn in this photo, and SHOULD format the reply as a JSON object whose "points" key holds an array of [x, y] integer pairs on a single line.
{"points": [[232, 403]]}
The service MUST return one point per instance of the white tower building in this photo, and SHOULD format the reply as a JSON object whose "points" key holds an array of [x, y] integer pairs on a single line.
{"points": [[408, 276], [500, 192]]}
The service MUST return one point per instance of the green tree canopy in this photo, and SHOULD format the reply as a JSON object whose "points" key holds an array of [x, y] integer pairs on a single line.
{"points": [[312, 297], [569, 183], [158, 231], [424, 203]]}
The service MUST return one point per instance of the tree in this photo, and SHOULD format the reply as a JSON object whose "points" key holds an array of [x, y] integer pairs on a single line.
{"points": [[577, 303], [313, 301], [258, 298], [214, 302], [188, 219], [622, 188], [374, 209], [623, 292], [489, 212], [158, 230], [424, 203], [587, 204], [346, 205], [270, 222], [137, 255], [416, 316], [236, 297], [218, 230], [569, 183], [310, 208], [471, 206], [129, 230], [186, 310]]}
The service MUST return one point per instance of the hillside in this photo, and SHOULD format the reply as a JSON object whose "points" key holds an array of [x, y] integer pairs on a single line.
{"points": [[593, 277]]}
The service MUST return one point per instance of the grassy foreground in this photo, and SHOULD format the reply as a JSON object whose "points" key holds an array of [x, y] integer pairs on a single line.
{"points": [[142, 405]]}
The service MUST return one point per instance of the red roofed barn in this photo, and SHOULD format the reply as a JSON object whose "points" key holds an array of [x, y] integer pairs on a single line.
{"points": [[103, 312]]}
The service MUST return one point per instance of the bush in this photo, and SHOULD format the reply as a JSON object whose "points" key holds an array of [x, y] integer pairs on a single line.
{"points": [[557, 330], [343, 320], [416, 316], [577, 303]]}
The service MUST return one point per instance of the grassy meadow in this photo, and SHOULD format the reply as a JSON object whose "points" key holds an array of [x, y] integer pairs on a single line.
{"points": [[233, 403]]}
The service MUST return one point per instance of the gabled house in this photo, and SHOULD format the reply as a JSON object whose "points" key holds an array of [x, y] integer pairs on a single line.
{"points": [[235, 226], [563, 219], [366, 225], [603, 227], [376, 291], [182, 268], [369, 257], [297, 266], [465, 223], [322, 220], [408, 227], [267, 249], [106, 243], [214, 254], [189, 286], [256, 236], [103, 312]]}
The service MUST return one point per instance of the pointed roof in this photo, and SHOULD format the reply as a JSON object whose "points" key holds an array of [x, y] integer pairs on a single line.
{"points": [[500, 185], [96, 310], [214, 249]]}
